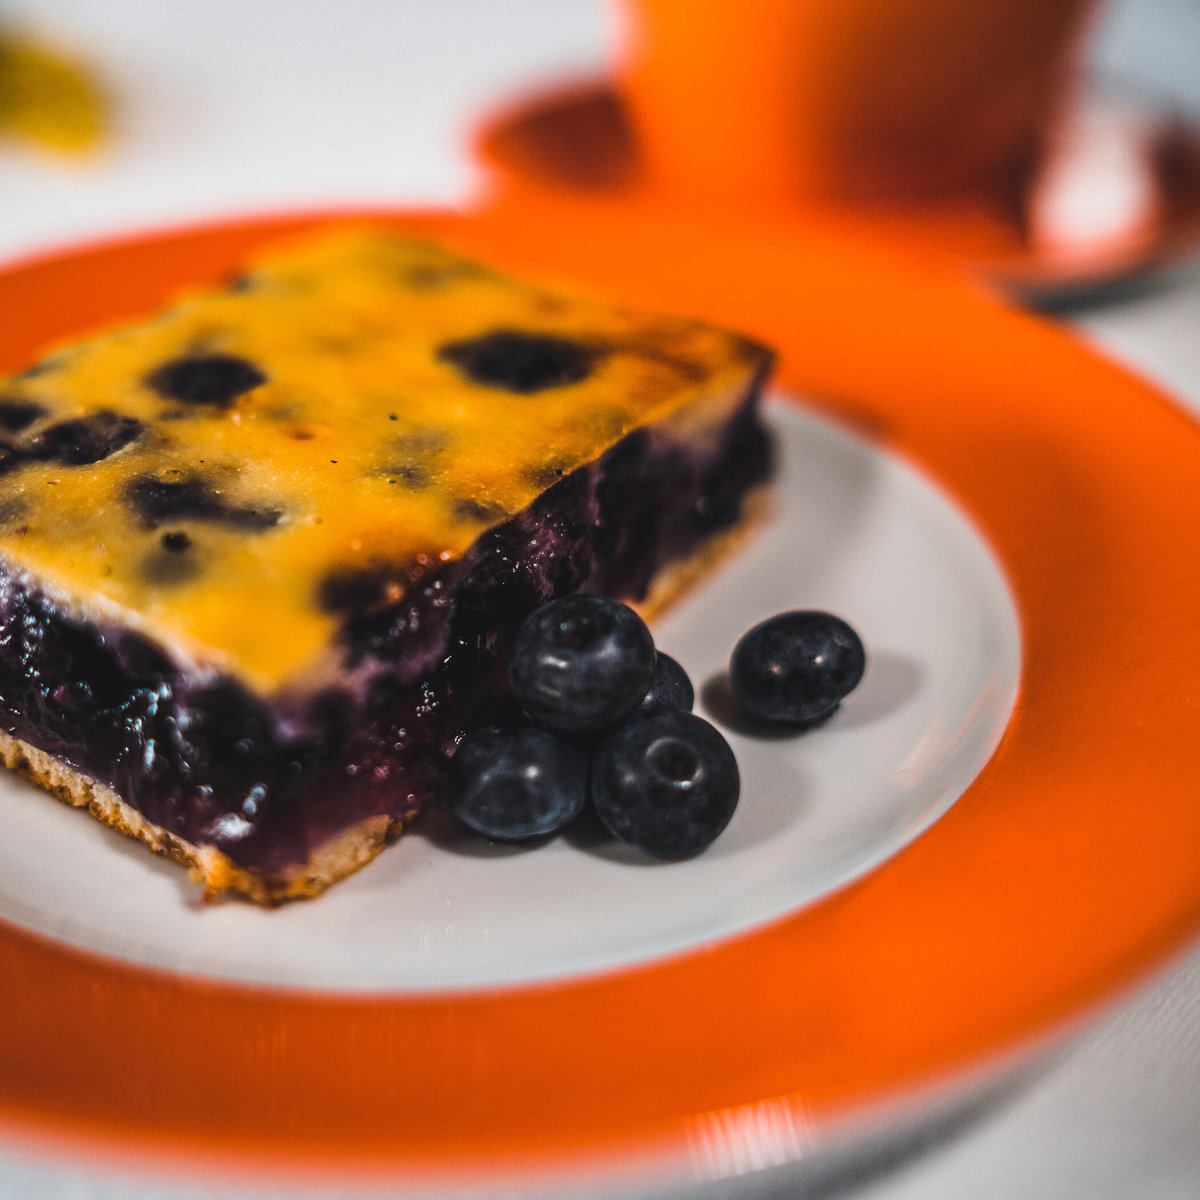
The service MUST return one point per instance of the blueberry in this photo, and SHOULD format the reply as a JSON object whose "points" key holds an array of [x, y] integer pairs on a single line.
{"points": [[519, 362], [581, 663], [85, 440], [517, 784], [217, 379], [670, 687], [665, 782], [184, 497], [796, 667], [181, 497], [17, 413]]}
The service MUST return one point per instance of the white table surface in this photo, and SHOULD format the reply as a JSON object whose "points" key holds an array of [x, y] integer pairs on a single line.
{"points": [[230, 106]]}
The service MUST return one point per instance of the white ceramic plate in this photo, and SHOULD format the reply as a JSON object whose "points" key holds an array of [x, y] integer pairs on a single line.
{"points": [[853, 531]]}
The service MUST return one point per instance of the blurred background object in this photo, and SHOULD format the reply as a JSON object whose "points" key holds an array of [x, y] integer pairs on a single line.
{"points": [[47, 96], [860, 100], [978, 132]]}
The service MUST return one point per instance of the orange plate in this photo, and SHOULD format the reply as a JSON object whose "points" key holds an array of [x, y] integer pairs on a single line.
{"points": [[1070, 865]]}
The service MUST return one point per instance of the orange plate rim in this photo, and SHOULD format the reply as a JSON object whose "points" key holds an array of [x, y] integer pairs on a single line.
{"points": [[1042, 891]]}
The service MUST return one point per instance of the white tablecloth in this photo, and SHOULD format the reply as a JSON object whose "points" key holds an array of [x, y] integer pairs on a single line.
{"points": [[237, 105]]}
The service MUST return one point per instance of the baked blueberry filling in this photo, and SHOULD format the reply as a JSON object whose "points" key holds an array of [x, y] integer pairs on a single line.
{"points": [[268, 782]]}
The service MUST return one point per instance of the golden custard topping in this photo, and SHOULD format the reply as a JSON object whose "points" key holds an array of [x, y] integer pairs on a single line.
{"points": [[354, 401]]}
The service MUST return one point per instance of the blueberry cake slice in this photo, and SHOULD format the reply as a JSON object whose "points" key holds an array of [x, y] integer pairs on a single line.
{"points": [[261, 557]]}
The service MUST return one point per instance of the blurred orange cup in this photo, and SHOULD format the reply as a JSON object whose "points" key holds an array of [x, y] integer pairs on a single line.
{"points": [[767, 101]]}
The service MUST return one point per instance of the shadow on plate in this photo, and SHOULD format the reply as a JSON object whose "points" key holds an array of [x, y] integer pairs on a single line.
{"points": [[890, 682]]}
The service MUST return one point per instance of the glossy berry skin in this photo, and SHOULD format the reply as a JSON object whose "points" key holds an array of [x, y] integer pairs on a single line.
{"points": [[665, 782], [511, 785], [581, 663], [796, 667], [670, 687]]}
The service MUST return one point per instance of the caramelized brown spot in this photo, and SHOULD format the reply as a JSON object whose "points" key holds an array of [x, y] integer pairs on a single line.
{"points": [[544, 475], [167, 567], [471, 509]]}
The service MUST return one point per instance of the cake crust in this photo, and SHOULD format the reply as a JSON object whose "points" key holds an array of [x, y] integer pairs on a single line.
{"points": [[207, 865]]}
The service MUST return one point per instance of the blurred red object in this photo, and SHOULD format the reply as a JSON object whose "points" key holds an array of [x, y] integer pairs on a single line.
{"points": [[846, 99], [944, 128]]}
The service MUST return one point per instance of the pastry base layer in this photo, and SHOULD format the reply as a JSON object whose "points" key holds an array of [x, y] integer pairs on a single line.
{"points": [[355, 846], [216, 871]]}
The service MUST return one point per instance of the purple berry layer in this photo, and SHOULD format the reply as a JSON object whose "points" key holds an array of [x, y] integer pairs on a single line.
{"points": [[269, 782]]}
